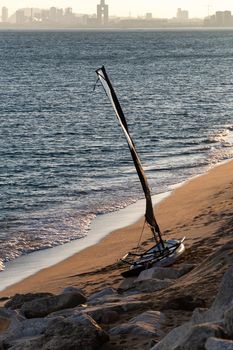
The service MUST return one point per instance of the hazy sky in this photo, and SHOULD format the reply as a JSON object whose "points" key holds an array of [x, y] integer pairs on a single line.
{"points": [[159, 8]]}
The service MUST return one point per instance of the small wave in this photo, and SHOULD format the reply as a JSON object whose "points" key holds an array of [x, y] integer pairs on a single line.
{"points": [[219, 135], [179, 167]]}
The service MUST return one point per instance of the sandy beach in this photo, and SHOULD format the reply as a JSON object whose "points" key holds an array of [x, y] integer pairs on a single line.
{"points": [[196, 210]]}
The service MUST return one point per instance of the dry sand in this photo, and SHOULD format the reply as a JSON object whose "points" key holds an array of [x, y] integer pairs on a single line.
{"points": [[201, 210]]}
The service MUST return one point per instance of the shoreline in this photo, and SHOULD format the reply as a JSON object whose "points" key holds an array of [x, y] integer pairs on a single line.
{"points": [[103, 225], [181, 214]]}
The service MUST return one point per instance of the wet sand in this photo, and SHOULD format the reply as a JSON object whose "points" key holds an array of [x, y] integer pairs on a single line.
{"points": [[197, 210]]}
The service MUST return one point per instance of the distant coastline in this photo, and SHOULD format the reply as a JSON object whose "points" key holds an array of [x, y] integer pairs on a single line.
{"points": [[137, 25], [12, 27]]}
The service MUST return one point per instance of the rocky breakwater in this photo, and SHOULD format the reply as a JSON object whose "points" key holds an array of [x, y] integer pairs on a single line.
{"points": [[208, 329], [136, 314], [104, 320]]}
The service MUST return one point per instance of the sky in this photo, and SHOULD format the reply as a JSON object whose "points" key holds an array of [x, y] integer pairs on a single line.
{"points": [[159, 8]]}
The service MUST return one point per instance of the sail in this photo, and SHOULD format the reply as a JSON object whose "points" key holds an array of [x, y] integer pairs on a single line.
{"points": [[149, 215]]}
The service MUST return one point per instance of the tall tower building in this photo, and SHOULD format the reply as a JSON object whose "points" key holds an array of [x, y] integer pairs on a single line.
{"points": [[53, 14], [20, 17], [102, 13], [4, 14], [182, 15]]}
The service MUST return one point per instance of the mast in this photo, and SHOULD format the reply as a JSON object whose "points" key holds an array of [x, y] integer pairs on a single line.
{"points": [[149, 215]]}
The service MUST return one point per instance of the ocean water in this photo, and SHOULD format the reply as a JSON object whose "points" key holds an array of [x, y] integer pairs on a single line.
{"points": [[64, 159]]}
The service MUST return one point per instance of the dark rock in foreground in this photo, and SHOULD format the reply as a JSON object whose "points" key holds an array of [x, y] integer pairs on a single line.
{"points": [[215, 322], [18, 300], [187, 303], [44, 306], [147, 324], [67, 334], [218, 344]]}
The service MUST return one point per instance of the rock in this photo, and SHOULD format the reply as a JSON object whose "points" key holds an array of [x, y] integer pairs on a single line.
{"points": [[67, 312], [98, 312], [4, 299], [72, 289], [19, 299], [151, 285], [224, 297], [222, 302], [44, 306], [109, 317], [104, 296], [106, 300], [103, 293], [146, 324], [219, 344], [127, 284], [173, 338], [9, 319], [4, 324], [185, 268], [189, 337], [187, 303], [159, 273], [19, 344], [198, 334], [228, 321], [18, 327], [86, 320], [68, 334], [26, 328]]}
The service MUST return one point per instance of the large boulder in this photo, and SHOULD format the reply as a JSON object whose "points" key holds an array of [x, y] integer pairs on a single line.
{"points": [[18, 300], [80, 333], [103, 296], [72, 289], [44, 306], [147, 324], [159, 273], [205, 323], [189, 337], [198, 335], [100, 312], [218, 344], [222, 302], [186, 302], [151, 285], [9, 319], [103, 293], [185, 268], [24, 330], [126, 284], [228, 321]]}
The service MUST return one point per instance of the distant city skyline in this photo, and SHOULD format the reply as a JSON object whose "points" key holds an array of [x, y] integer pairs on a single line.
{"points": [[163, 8]]}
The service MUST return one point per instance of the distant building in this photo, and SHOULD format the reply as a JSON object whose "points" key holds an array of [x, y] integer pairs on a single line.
{"points": [[59, 15], [4, 14], [20, 17], [220, 19], [45, 15], [53, 14], [69, 16], [102, 13], [182, 15], [68, 11], [227, 18]]}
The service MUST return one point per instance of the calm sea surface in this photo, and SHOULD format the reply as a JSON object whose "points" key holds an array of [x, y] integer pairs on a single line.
{"points": [[64, 159]]}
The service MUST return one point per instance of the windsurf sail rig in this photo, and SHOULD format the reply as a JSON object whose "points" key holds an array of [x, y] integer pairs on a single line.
{"points": [[149, 215], [163, 250]]}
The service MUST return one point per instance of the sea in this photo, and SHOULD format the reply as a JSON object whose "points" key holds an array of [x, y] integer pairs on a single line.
{"points": [[64, 158]]}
